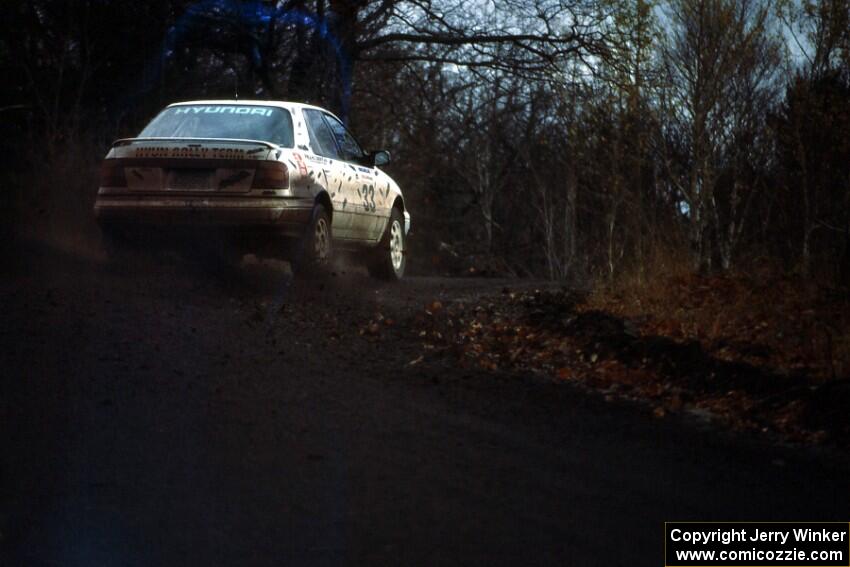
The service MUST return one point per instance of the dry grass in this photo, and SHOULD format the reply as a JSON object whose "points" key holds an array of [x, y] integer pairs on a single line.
{"points": [[52, 195], [762, 317]]}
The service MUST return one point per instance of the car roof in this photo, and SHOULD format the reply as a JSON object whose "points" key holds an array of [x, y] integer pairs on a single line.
{"points": [[279, 103]]}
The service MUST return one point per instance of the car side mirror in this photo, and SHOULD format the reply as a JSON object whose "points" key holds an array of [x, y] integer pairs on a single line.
{"points": [[380, 157]]}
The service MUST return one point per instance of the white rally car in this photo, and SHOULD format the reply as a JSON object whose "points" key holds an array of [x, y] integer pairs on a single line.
{"points": [[281, 178]]}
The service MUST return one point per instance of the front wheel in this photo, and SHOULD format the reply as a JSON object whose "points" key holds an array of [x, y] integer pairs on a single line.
{"points": [[391, 256]]}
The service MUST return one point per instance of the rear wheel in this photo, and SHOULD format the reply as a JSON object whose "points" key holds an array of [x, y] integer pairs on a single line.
{"points": [[315, 250], [391, 256], [118, 246]]}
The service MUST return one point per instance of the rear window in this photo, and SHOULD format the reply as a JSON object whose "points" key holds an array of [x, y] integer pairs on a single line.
{"points": [[247, 122]]}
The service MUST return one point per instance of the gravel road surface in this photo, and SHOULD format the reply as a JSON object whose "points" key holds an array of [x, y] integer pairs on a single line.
{"points": [[156, 414]]}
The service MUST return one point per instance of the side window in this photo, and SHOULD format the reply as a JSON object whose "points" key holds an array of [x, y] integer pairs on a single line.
{"points": [[348, 146], [321, 138]]}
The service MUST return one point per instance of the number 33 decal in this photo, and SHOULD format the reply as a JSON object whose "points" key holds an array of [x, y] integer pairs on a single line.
{"points": [[368, 196]]}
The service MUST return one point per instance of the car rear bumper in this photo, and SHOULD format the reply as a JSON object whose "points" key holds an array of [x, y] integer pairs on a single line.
{"points": [[279, 214]]}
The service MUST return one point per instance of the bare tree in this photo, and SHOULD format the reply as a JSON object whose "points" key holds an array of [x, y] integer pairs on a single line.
{"points": [[721, 63], [809, 118]]}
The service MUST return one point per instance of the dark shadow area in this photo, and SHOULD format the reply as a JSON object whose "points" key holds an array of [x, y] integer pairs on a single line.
{"points": [[554, 333]]}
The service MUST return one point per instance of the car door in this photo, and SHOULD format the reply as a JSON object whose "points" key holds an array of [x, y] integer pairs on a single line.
{"points": [[324, 149], [360, 182]]}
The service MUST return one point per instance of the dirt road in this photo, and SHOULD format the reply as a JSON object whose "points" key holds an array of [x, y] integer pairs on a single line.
{"points": [[157, 415]]}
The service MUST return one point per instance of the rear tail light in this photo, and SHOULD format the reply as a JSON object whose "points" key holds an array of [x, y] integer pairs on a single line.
{"points": [[271, 175], [112, 174]]}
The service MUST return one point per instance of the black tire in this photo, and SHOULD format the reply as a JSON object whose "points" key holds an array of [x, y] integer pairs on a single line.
{"points": [[129, 249], [314, 253], [119, 248], [389, 260]]}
